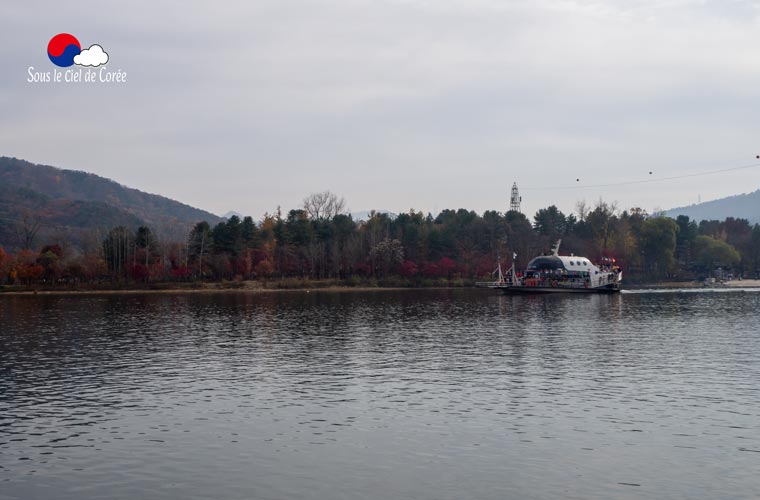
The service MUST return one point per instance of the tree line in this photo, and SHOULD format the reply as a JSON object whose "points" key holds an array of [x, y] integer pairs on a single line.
{"points": [[320, 241]]}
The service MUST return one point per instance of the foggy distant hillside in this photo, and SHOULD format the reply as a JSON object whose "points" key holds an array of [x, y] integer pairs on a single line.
{"points": [[743, 206]]}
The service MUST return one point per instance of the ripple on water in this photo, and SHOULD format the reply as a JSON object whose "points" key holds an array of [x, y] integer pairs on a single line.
{"points": [[418, 394]]}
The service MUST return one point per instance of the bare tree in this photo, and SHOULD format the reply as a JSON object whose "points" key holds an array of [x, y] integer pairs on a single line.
{"points": [[601, 220], [582, 210], [27, 229], [323, 206], [199, 242]]}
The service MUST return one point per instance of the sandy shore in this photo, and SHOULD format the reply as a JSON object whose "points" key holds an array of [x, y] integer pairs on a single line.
{"points": [[697, 284], [742, 284]]}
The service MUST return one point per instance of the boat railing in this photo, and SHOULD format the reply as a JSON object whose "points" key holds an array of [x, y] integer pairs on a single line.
{"points": [[493, 284], [554, 281], [550, 281]]}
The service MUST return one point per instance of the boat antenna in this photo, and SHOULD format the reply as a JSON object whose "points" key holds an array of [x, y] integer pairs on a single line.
{"points": [[500, 275]]}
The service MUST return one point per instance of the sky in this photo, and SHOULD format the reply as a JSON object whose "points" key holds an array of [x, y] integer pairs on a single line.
{"points": [[396, 105]]}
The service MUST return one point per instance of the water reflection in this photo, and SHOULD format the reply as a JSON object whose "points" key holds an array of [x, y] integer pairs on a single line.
{"points": [[424, 394]]}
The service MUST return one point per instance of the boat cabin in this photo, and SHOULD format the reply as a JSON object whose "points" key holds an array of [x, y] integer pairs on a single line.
{"points": [[561, 264]]}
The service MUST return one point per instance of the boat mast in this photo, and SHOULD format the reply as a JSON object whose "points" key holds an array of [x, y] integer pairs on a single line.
{"points": [[500, 275], [555, 249], [514, 275]]}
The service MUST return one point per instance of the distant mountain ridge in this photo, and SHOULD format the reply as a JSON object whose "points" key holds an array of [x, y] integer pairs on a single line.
{"points": [[75, 201], [232, 213], [741, 206], [365, 215]]}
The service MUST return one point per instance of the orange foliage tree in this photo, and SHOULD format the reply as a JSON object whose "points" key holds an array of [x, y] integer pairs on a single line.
{"points": [[26, 269], [3, 260]]}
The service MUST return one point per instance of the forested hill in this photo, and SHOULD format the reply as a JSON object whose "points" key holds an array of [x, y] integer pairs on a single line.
{"points": [[74, 202], [75, 185], [742, 206]]}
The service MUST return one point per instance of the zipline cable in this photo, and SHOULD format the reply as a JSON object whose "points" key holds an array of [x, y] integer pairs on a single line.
{"points": [[644, 181]]}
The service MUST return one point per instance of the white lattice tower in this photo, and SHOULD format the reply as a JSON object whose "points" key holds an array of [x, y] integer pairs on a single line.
{"points": [[514, 200]]}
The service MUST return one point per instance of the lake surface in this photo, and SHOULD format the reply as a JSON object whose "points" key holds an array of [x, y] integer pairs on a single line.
{"points": [[414, 394]]}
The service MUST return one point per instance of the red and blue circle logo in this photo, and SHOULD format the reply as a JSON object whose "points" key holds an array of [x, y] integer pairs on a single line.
{"points": [[62, 48]]}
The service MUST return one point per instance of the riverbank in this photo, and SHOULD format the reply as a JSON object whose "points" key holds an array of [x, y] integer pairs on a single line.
{"points": [[289, 285], [306, 286]]}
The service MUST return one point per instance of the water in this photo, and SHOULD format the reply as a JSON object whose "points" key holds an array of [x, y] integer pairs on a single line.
{"points": [[425, 395]]}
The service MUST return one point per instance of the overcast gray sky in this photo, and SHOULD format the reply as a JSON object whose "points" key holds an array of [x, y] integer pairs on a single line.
{"points": [[395, 104]]}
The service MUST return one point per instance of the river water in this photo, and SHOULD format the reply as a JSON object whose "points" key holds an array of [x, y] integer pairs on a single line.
{"points": [[434, 394]]}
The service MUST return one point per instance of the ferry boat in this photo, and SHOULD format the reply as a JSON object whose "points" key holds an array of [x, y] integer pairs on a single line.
{"points": [[556, 273]]}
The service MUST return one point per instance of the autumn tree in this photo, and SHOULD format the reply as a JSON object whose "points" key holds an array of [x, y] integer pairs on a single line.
{"points": [[51, 262], [3, 261], [687, 233], [753, 256], [117, 247], [25, 267], [387, 254], [92, 258], [658, 244], [601, 223], [710, 253]]}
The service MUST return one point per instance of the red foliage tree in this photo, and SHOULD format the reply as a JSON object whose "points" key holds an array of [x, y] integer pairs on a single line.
{"points": [[264, 269], [446, 266], [363, 269], [408, 269], [139, 272], [180, 273], [26, 268], [431, 270], [3, 260]]}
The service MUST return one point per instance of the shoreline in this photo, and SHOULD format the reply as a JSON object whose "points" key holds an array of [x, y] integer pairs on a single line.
{"points": [[674, 285], [259, 288], [217, 290]]}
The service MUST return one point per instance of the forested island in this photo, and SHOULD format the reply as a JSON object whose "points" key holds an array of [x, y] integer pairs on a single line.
{"points": [[320, 243]]}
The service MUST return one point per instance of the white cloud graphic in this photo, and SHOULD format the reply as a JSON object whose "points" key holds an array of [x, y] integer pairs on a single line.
{"points": [[94, 56]]}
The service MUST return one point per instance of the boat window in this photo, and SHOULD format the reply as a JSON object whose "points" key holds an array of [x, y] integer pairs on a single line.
{"points": [[545, 263]]}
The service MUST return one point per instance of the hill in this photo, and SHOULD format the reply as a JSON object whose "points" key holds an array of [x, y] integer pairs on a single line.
{"points": [[743, 206], [75, 202]]}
